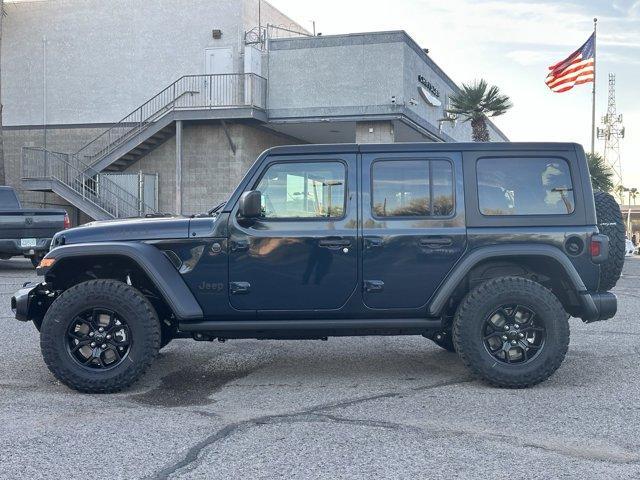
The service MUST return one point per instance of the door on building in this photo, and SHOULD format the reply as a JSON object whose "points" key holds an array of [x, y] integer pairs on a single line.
{"points": [[410, 204], [223, 87], [302, 254]]}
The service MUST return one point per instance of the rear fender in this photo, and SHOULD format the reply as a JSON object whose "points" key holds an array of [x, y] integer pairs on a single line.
{"points": [[474, 257]]}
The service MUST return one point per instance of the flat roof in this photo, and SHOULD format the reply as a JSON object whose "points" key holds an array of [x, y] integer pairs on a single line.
{"points": [[388, 36]]}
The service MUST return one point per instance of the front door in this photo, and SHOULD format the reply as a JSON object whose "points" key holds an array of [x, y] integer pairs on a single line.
{"points": [[302, 254], [222, 86], [413, 226]]}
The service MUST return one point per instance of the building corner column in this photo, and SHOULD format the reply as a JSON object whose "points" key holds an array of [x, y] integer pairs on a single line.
{"points": [[179, 167]]}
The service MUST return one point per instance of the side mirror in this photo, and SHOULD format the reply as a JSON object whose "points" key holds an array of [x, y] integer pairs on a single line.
{"points": [[250, 204]]}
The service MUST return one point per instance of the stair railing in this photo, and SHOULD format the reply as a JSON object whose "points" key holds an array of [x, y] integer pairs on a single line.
{"points": [[94, 188], [190, 92]]}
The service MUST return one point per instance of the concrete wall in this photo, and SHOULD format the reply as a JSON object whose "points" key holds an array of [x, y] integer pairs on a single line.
{"points": [[210, 168], [358, 74], [104, 59], [340, 74]]}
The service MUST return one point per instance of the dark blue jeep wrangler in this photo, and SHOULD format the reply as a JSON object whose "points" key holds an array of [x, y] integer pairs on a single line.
{"points": [[486, 249]]}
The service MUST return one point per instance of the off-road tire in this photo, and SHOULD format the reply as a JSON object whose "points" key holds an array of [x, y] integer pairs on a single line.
{"points": [[481, 302], [114, 295], [611, 224]]}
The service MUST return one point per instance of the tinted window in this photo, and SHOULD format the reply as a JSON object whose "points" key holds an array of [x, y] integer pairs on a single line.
{"points": [[8, 199], [303, 190], [412, 188], [524, 186]]}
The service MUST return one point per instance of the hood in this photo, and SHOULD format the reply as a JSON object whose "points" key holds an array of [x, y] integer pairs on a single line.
{"points": [[125, 230]]}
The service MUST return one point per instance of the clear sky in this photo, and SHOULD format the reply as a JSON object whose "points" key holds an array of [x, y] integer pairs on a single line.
{"points": [[510, 43]]}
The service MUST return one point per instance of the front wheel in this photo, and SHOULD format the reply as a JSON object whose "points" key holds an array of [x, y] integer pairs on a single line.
{"points": [[511, 332], [100, 336]]}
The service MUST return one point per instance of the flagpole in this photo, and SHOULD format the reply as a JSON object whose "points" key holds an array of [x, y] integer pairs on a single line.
{"points": [[593, 92]]}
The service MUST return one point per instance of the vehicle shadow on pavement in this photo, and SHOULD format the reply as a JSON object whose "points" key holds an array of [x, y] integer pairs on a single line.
{"points": [[275, 364]]}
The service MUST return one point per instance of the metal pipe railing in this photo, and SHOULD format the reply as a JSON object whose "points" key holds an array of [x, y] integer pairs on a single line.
{"points": [[96, 188], [188, 92]]}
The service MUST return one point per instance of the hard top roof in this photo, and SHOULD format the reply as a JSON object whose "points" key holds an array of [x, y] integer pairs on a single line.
{"points": [[421, 147]]}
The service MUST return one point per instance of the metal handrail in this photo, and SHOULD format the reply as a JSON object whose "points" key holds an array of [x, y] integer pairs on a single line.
{"points": [[188, 92], [96, 188]]}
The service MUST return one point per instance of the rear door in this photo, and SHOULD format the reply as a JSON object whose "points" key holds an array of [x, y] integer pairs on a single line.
{"points": [[413, 225], [302, 254]]}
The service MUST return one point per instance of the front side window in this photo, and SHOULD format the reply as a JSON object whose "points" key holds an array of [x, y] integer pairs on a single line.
{"points": [[303, 190], [524, 186], [412, 188]]}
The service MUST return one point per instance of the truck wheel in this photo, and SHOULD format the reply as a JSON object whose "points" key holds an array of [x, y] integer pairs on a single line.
{"points": [[100, 336], [610, 223], [511, 332]]}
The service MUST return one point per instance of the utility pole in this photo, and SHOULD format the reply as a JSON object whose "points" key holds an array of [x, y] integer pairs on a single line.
{"points": [[612, 131]]}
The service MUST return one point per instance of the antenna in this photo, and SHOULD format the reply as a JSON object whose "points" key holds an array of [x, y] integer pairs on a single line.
{"points": [[612, 131]]}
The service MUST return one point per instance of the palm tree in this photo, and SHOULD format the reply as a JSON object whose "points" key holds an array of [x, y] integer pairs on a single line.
{"points": [[600, 172], [475, 103]]}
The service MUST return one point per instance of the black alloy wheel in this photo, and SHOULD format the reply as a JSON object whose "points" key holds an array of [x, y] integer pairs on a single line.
{"points": [[98, 339], [100, 336], [513, 334]]}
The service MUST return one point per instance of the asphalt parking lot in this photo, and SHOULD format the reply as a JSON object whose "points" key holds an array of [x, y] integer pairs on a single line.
{"points": [[396, 407]]}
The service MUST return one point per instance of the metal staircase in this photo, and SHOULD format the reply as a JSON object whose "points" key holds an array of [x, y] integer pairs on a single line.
{"points": [[92, 192], [76, 176], [192, 97]]}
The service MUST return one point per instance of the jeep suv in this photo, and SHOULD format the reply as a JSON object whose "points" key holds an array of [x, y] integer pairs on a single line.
{"points": [[486, 249]]}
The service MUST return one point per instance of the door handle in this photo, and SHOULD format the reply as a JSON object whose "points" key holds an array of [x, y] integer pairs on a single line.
{"points": [[334, 242], [239, 246], [373, 242], [435, 242], [373, 286]]}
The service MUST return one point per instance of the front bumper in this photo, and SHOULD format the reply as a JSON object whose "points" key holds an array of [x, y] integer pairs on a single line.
{"points": [[598, 306], [27, 303]]}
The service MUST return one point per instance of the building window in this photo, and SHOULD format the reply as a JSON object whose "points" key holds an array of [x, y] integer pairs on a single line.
{"points": [[524, 186], [412, 188], [303, 190]]}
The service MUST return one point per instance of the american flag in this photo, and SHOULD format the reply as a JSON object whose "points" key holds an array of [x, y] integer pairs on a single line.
{"points": [[577, 68]]}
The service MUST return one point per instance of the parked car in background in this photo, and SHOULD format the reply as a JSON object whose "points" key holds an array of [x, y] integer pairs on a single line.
{"points": [[27, 232]]}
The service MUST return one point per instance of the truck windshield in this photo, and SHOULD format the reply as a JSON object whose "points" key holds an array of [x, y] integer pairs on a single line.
{"points": [[8, 199]]}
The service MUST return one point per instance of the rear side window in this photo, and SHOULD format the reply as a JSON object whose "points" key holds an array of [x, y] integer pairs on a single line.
{"points": [[412, 188], [524, 186]]}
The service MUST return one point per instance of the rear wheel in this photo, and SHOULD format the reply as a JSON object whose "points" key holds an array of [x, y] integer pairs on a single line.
{"points": [[511, 332], [610, 223], [100, 336]]}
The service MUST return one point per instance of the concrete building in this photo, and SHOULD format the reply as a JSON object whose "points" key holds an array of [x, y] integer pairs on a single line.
{"points": [[127, 107]]}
